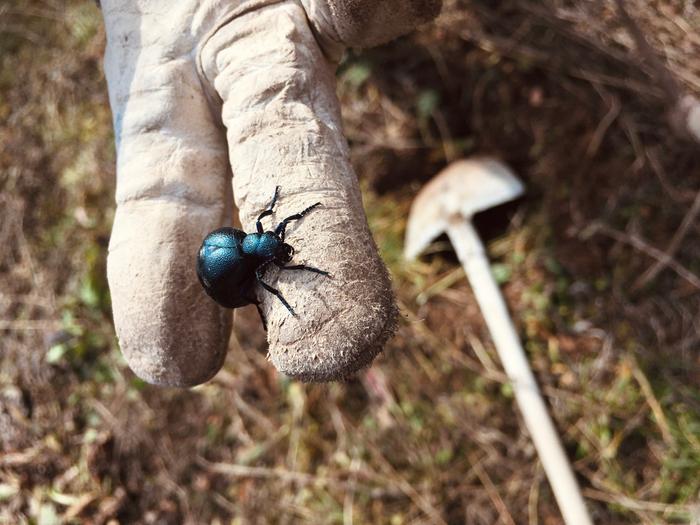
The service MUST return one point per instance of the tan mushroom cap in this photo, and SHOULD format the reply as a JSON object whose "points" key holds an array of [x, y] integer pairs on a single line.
{"points": [[462, 189]]}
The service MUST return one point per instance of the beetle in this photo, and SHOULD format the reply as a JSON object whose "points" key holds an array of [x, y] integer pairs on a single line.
{"points": [[231, 262]]}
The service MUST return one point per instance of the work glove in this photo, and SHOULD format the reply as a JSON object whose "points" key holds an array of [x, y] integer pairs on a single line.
{"points": [[205, 92]]}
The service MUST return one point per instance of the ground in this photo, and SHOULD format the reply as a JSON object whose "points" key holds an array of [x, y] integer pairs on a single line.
{"points": [[599, 263]]}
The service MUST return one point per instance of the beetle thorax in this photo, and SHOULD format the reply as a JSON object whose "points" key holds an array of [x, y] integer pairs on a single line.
{"points": [[261, 245]]}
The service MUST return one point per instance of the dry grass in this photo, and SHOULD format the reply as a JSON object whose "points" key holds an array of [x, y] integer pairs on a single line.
{"points": [[598, 263]]}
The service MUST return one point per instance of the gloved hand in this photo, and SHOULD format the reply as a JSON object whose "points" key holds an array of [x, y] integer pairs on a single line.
{"points": [[205, 90]]}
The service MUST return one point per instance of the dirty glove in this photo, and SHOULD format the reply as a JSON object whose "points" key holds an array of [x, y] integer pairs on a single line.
{"points": [[205, 92]]}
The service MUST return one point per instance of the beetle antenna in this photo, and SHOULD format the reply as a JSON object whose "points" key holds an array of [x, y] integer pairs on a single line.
{"points": [[282, 226], [268, 211]]}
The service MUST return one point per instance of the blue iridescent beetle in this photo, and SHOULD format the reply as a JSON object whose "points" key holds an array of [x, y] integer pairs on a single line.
{"points": [[230, 262]]}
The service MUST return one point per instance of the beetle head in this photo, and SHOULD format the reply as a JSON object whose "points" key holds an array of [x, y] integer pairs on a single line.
{"points": [[285, 253]]}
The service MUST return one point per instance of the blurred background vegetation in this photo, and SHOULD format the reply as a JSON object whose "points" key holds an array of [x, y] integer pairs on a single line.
{"points": [[600, 265]]}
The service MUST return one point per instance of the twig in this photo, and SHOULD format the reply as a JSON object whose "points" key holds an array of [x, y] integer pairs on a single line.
{"points": [[654, 270], [658, 169], [29, 324], [653, 403], [224, 503], [253, 413], [24, 457], [491, 490], [644, 247], [245, 471], [370, 481], [106, 415], [448, 146], [665, 78], [603, 126], [79, 505], [534, 497], [348, 502], [638, 505]]}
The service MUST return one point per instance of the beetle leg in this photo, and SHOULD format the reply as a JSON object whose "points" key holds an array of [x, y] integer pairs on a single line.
{"points": [[268, 211], [260, 313], [273, 291], [302, 267], [282, 226]]}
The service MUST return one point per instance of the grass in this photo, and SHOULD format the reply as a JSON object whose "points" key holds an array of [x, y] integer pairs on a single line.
{"points": [[431, 432]]}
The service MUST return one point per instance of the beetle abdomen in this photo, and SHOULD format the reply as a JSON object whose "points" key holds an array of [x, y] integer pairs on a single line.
{"points": [[224, 270]]}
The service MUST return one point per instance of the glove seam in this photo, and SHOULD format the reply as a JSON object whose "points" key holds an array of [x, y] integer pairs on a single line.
{"points": [[329, 42], [214, 100]]}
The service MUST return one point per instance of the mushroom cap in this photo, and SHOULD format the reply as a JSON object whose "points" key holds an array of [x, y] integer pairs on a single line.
{"points": [[463, 188]]}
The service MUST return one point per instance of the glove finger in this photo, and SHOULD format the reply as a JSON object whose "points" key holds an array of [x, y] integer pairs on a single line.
{"points": [[172, 171], [367, 23], [283, 128]]}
